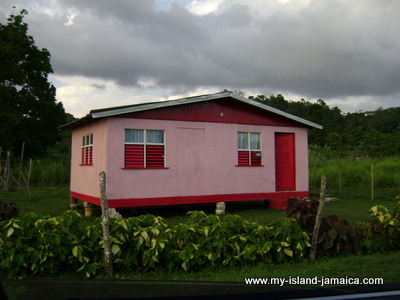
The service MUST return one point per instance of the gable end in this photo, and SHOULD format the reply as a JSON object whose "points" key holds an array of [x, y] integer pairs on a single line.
{"points": [[225, 110]]}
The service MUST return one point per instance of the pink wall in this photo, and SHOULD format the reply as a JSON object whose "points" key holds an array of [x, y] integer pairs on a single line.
{"points": [[85, 179], [200, 156]]}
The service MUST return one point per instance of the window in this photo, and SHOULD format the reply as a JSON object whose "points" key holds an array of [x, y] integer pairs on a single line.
{"points": [[87, 150], [144, 148], [249, 149]]}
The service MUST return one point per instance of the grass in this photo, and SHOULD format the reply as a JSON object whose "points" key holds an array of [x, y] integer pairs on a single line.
{"points": [[356, 174], [353, 205], [51, 201]]}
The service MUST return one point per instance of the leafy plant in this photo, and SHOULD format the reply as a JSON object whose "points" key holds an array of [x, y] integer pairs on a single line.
{"points": [[396, 210], [8, 210], [303, 210], [337, 236]]}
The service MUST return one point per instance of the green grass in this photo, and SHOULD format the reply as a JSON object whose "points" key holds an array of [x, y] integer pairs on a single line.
{"points": [[353, 205], [356, 174], [51, 201]]}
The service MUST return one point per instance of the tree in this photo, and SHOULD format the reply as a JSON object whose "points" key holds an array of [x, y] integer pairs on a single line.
{"points": [[29, 111]]}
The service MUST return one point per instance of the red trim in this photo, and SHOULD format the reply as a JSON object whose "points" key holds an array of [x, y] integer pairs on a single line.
{"points": [[252, 166], [278, 199], [234, 111], [148, 168], [87, 198]]}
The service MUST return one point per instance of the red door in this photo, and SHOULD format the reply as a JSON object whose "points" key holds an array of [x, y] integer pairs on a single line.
{"points": [[285, 172]]}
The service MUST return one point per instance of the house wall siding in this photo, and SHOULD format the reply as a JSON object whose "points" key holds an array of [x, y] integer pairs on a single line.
{"points": [[85, 179], [201, 158]]}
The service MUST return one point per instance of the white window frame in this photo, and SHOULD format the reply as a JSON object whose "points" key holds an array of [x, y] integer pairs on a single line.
{"points": [[86, 142], [249, 148], [146, 143]]}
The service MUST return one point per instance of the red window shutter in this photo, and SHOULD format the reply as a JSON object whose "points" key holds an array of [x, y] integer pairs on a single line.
{"points": [[87, 155], [134, 156], [255, 159], [243, 158], [154, 156]]}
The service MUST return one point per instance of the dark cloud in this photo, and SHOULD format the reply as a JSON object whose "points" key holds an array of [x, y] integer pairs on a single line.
{"points": [[99, 86], [327, 49]]}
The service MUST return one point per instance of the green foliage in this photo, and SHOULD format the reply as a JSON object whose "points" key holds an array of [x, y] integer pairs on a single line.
{"points": [[355, 173], [337, 236], [48, 171], [8, 210], [383, 233], [38, 246], [396, 209], [29, 111], [35, 246]]}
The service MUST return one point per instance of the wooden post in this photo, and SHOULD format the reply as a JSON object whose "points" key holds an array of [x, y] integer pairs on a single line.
{"points": [[318, 218], [372, 182], [315, 170], [7, 171], [1, 167], [29, 176], [20, 166], [340, 180], [106, 231]]}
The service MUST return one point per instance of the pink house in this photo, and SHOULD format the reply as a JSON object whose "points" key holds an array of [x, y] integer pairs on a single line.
{"points": [[212, 148]]}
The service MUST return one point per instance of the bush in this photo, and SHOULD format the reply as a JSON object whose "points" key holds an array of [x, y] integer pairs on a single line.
{"points": [[8, 211], [38, 246], [383, 233]]}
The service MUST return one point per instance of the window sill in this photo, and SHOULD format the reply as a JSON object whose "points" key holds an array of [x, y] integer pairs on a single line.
{"points": [[86, 165], [154, 168], [251, 166]]}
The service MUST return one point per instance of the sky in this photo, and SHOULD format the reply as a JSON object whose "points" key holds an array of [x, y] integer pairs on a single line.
{"points": [[109, 53]]}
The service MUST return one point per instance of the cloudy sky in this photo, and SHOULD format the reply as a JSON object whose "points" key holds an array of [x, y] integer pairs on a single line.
{"points": [[109, 53]]}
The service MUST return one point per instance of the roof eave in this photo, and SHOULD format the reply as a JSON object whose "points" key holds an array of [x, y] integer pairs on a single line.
{"points": [[115, 111], [76, 123], [277, 111]]}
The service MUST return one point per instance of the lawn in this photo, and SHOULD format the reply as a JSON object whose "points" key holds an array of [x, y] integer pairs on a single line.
{"points": [[353, 205]]}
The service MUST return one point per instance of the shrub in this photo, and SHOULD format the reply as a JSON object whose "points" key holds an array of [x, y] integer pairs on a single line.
{"points": [[335, 236], [8, 210]]}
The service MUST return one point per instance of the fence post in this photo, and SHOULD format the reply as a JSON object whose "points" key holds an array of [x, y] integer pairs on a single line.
{"points": [[7, 171], [372, 182], [20, 166], [340, 180], [318, 218], [106, 231]]}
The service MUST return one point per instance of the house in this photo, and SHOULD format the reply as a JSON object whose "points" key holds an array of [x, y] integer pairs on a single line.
{"points": [[211, 148]]}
